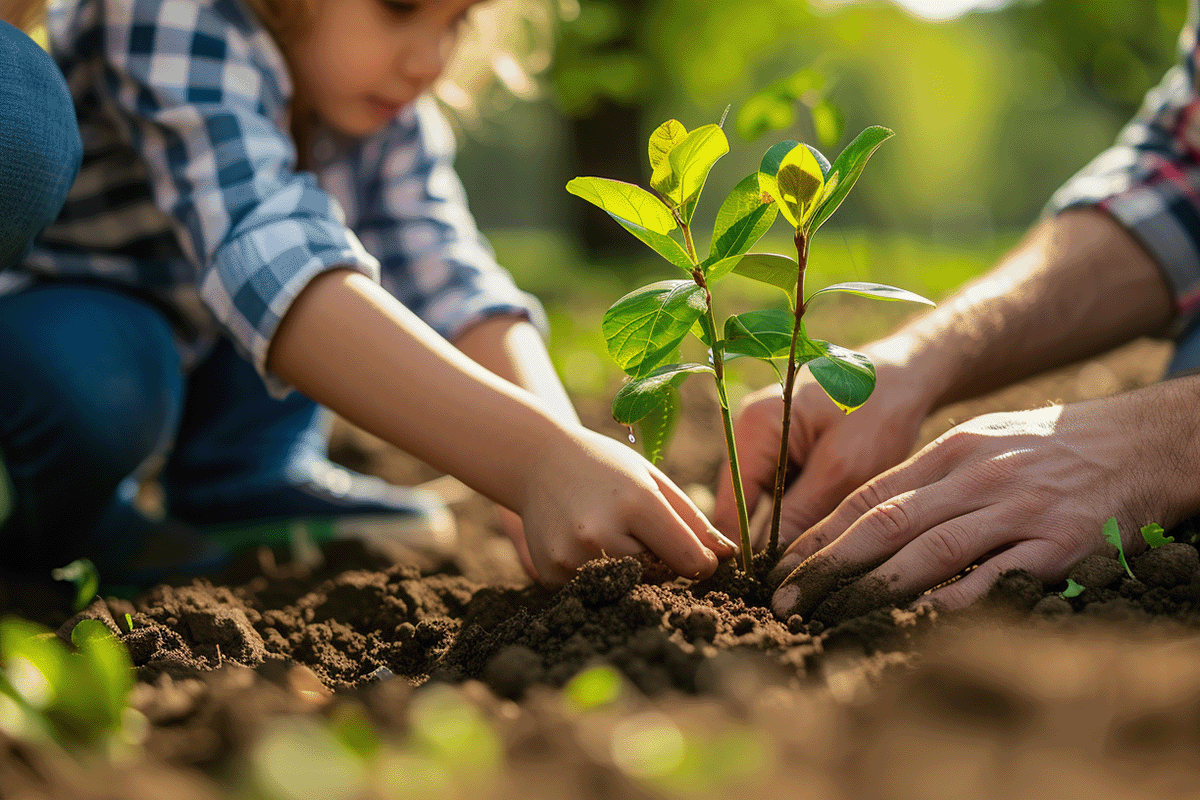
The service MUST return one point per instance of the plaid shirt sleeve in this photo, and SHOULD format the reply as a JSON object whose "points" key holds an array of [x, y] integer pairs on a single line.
{"points": [[413, 216], [1149, 181], [201, 92]]}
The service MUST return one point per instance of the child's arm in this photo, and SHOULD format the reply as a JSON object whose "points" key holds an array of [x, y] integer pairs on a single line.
{"points": [[350, 345], [512, 348]]}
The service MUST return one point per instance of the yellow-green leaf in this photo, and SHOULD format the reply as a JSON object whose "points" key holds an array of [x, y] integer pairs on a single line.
{"points": [[625, 201], [644, 327], [799, 185], [664, 138]]}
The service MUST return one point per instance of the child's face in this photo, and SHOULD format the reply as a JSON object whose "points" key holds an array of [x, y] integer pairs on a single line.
{"points": [[361, 61]]}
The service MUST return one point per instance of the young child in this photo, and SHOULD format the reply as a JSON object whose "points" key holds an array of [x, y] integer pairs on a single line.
{"points": [[252, 173]]}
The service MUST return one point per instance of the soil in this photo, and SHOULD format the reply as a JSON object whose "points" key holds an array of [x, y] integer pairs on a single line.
{"points": [[462, 680]]}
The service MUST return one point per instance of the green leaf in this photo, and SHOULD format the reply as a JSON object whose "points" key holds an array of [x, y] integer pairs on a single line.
{"points": [[768, 168], [83, 573], [655, 429], [1073, 589], [1112, 535], [34, 661], [769, 268], [799, 184], [828, 122], [637, 211], [846, 376], [742, 220], [879, 290], [625, 201], [642, 395], [107, 661], [1153, 534], [760, 334], [663, 140], [681, 177], [848, 166], [644, 327], [665, 246]]}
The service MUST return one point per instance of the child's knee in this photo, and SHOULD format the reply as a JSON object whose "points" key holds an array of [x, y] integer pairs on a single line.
{"points": [[40, 150]]}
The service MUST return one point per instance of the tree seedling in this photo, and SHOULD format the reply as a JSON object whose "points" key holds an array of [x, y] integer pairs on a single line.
{"points": [[645, 328]]}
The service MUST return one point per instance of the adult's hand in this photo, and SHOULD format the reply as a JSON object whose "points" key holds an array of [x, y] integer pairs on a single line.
{"points": [[830, 453], [1028, 490]]}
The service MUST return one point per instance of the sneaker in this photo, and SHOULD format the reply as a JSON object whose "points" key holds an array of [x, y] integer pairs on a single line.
{"points": [[330, 503], [400, 524]]}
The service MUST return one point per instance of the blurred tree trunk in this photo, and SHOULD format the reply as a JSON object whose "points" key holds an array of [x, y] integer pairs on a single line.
{"points": [[608, 144]]}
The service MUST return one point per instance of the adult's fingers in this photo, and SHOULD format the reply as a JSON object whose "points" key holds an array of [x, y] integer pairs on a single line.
{"points": [[822, 587], [872, 501], [1044, 558]]}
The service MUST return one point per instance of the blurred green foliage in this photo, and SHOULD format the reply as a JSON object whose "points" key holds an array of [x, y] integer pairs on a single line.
{"points": [[77, 698], [992, 111]]}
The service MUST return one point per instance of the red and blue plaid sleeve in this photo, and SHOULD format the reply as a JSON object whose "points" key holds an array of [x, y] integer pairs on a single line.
{"points": [[1149, 181]]}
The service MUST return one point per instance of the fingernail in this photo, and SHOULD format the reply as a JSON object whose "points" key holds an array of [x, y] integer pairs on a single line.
{"points": [[784, 600], [723, 539]]}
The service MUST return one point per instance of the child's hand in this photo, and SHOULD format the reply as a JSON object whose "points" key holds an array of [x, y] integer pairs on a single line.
{"points": [[600, 498]]}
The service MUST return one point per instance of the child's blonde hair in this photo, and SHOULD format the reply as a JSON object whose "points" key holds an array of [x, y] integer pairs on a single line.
{"points": [[505, 44], [24, 14]]}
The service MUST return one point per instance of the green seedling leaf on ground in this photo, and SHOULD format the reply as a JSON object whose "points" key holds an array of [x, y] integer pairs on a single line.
{"points": [[1153, 534], [876, 290], [848, 377], [129, 622], [595, 687], [83, 573], [637, 211], [741, 222], [645, 327], [1112, 535], [642, 395], [848, 166], [655, 429], [107, 664], [771, 269], [1073, 589]]}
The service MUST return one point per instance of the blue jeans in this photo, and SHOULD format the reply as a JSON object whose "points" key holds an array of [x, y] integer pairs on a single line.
{"points": [[40, 149], [91, 391]]}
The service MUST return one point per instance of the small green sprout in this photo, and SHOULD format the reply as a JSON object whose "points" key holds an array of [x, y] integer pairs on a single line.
{"points": [[83, 573], [1112, 535], [1073, 589], [1153, 534], [645, 328], [128, 622]]}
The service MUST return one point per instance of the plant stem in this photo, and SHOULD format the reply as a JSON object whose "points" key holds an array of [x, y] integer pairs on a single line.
{"points": [[789, 384], [709, 321]]}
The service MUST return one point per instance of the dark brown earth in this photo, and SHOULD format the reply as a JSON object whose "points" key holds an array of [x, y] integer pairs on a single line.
{"points": [[467, 682]]}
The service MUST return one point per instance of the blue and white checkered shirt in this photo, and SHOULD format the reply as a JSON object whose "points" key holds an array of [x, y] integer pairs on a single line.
{"points": [[189, 192], [1150, 179]]}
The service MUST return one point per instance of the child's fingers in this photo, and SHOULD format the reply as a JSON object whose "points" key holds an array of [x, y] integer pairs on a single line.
{"points": [[712, 538], [660, 528]]}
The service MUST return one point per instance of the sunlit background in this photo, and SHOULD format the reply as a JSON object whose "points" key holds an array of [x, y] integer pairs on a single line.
{"points": [[994, 105]]}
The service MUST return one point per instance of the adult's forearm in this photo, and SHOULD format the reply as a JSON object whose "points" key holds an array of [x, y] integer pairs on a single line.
{"points": [[349, 345], [1077, 285]]}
